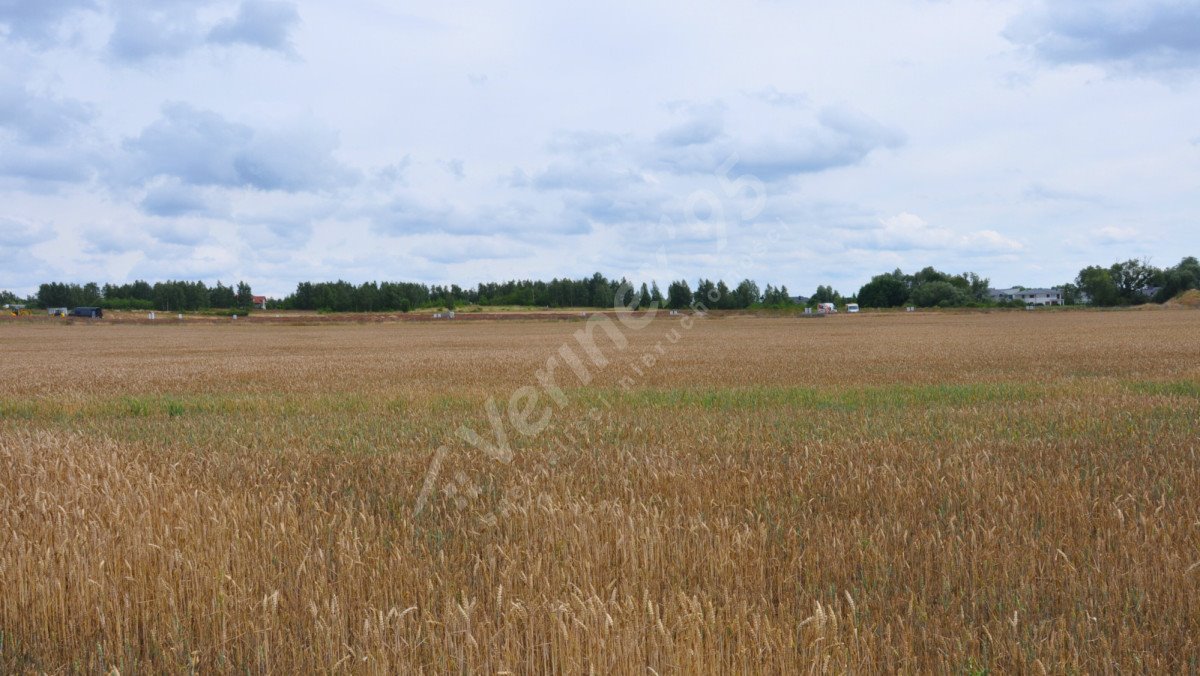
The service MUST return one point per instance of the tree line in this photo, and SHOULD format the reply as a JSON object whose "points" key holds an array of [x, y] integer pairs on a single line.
{"points": [[1131, 282], [926, 288], [171, 296], [1125, 283], [1134, 282], [596, 291]]}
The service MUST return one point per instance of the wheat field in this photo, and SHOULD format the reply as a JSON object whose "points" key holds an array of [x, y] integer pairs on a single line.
{"points": [[926, 493]]}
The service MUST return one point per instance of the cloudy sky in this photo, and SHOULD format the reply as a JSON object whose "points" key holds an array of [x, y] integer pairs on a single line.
{"points": [[796, 143]]}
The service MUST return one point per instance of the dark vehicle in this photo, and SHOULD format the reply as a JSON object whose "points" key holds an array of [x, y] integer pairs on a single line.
{"points": [[93, 312]]}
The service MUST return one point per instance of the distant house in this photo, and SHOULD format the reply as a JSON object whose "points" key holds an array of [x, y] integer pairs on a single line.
{"points": [[1028, 296], [259, 302], [1041, 296]]}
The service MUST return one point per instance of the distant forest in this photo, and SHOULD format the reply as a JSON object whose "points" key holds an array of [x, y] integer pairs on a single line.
{"points": [[166, 296], [1127, 283]]}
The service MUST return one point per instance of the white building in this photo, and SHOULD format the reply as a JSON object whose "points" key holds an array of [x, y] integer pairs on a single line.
{"points": [[1028, 296]]}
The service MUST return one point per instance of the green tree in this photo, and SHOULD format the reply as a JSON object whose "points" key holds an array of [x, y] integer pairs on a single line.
{"points": [[928, 275], [1132, 277], [776, 297], [976, 285], [656, 294], [91, 294], [1099, 285], [644, 299], [1071, 294], [825, 294], [53, 294], [706, 294], [746, 293], [883, 291], [725, 299], [221, 296], [245, 297], [939, 294], [1176, 280], [679, 295], [624, 294]]}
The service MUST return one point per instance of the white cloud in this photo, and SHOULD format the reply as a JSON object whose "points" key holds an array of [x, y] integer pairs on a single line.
{"points": [[202, 148], [1112, 234], [19, 234], [253, 138], [907, 232]]}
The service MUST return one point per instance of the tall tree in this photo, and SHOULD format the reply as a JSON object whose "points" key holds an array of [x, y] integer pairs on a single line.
{"points": [[656, 293], [679, 295], [643, 297], [746, 293], [883, 291], [245, 297], [1098, 284], [706, 293], [1132, 277]]}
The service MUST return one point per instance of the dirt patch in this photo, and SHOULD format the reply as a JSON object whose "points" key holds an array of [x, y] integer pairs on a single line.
{"points": [[1188, 299]]}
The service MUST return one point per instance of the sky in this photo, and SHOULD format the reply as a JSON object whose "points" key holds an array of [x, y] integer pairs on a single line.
{"points": [[793, 143]]}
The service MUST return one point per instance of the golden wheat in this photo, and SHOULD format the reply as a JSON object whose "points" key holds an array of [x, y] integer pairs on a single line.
{"points": [[929, 493]]}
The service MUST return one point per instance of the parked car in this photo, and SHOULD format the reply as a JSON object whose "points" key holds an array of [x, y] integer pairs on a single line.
{"points": [[93, 312]]}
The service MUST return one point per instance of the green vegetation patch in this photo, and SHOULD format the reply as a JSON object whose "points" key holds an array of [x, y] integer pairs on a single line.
{"points": [[851, 400], [1175, 388]]}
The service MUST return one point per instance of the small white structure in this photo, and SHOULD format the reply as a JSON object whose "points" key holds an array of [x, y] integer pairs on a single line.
{"points": [[910, 309], [852, 307], [151, 316]]}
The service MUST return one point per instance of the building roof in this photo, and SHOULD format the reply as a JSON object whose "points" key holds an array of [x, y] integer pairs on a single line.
{"points": [[1022, 292]]}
